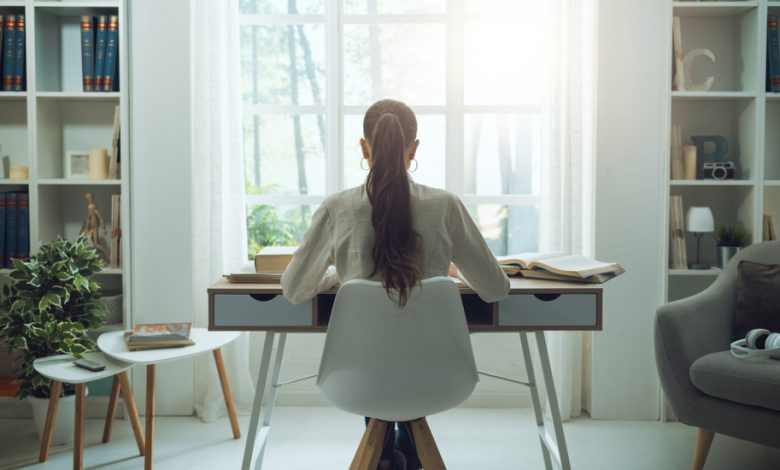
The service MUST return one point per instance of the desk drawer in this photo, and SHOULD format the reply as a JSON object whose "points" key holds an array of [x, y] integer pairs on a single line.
{"points": [[565, 311], [260, 310]]}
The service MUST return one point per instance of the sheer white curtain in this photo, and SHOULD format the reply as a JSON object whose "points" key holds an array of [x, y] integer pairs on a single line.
{"points": [[567, 171], [218, 210]]}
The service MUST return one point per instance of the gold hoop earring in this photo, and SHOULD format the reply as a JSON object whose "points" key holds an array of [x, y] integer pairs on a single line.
{"points": [[415, 166], [361, 164]]}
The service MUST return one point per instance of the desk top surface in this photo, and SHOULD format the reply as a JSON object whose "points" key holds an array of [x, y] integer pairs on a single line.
{"points": [[517, 286]]}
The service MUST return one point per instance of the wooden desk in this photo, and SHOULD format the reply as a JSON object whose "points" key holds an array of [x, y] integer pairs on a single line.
{"points": [[533, 306]]}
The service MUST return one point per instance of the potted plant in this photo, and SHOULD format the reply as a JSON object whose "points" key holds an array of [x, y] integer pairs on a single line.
{"points": [[730, 239], [46, 310]]}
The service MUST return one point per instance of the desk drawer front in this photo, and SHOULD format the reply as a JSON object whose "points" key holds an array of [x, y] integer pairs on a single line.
{"points": [[574, 310], [259, 311]]}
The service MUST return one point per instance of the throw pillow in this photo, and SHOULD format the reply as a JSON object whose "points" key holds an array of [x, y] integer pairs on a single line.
{"points": [[758, 298]]}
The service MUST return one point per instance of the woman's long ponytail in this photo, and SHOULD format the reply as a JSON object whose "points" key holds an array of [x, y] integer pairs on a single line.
{"points": [[396, 244]]}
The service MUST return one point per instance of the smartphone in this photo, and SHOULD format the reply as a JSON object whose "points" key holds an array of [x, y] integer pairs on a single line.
{"points": [[89, 365]]}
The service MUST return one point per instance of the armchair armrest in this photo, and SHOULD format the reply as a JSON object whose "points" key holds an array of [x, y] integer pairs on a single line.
{"points": [[686, 330]]}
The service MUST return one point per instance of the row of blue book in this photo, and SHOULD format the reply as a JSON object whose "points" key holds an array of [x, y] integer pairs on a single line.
{"points": [[772, 55], [99, 51], [12, 52], [14, 226]]}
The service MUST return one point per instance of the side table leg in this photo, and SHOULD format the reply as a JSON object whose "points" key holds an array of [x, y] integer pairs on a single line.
{"points": [[227, 392], [111, 411], [51, 416], [254, 419], [552, 398], [529, 369], [150, 369], [132, 411], [78, 434]]}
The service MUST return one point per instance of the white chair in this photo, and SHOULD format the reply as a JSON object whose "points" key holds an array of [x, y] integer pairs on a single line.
{"points": [[397, 364]]}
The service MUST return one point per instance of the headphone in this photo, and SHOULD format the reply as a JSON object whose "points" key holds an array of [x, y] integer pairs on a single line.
{"points": [[757, 343]]}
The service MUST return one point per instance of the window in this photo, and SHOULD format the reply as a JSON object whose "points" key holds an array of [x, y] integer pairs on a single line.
{"points": [[472, 70]]}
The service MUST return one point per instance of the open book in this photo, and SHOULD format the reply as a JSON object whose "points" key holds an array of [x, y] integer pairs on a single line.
{"points": [[247, 273], [558, 265]]}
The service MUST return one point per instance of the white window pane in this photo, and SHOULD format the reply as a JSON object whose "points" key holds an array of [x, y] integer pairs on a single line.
{"points": [[505, 8], [280, 7], [284, 154], [502, 154], [267, 76], [276, 226], [504, 61], [400, 61], [382, 7], [508, 229], [430, 154]]}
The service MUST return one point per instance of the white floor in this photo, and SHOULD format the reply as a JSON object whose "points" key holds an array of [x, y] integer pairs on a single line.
{"points": [[325, 438]]}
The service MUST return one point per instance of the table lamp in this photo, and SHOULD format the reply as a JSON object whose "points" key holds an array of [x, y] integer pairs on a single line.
{"points": [[699, 220]]}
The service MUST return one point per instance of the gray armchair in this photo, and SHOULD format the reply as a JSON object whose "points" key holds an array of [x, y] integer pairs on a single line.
{"points": [[706, 386]]}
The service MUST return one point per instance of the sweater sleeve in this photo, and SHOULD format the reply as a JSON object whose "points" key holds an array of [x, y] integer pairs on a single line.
{"points": [[476, 264], [308, 273]]}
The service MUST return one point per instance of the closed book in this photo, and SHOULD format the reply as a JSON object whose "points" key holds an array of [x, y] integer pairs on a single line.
{"points": [[87, 54], [10, 228], [112, 51], [773, 51], [116, 231], [2, 28], [23, 226], [113, 163], [3, 198], [273, 259], [159, 335], [9, 37], [19, 54], [100, 50]]}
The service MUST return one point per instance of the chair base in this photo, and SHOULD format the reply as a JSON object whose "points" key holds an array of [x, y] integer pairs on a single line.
{"points": [[370, 448]]}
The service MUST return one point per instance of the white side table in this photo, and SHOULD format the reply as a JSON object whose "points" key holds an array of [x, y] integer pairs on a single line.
{"points": [[113, 344], [61, 369]]}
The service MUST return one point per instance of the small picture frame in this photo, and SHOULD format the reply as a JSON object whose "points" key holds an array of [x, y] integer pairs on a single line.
{"points": [[76, 164]]}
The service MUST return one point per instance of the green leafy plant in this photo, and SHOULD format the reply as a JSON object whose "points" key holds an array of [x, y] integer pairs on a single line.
{"points": [[48, 307], [732, 235]]}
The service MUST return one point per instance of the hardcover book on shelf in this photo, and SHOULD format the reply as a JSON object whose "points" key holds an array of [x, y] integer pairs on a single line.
{"points": [[769, 232], [678, 82], [10, 228], [23, 226], [116, 231], [558, 265], [9, 38], [19, 53], [273, 259], [100, 50], [773, 53], [3, 199], [677, 250], [677, 159], [87, 54], [112, 50], [158, 336], [113, 165]]}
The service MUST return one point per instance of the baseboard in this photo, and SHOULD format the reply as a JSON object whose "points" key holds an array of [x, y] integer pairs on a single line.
{"points": [[94, 407]]}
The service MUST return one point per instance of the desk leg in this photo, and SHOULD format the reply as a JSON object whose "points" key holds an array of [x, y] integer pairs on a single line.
{"points": [[227, 392], [51, 416], [269, 405], [552, 398], [149, 441], [262, 378], [78, 431], [529, 368]]}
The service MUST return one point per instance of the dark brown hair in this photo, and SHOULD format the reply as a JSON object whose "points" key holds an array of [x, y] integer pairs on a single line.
{"points": [[390, 127]]}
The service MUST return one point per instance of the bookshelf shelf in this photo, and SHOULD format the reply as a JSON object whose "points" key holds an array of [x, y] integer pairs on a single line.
{"points": [[714, 9], [13, 95], [78, 182], [78, 95], [772, 183], [10, 182], [711, 183], [713, 95], [713, 271]]}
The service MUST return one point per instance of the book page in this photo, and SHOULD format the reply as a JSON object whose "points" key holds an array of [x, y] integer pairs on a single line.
{"points": [[578, 265], [524, 259]]}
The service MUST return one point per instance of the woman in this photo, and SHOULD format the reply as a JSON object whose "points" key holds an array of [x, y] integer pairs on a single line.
{"points": [[392, 230]]}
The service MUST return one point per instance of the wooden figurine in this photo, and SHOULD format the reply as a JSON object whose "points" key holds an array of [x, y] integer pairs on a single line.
{"points": [[93, 225]]}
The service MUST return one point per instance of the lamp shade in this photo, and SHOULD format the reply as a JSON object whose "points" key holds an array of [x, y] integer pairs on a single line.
{"points": [[699, 219]]}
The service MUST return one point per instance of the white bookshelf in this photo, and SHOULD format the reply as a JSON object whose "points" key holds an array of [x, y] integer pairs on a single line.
{"points": [[53, 116], [738, 108]]}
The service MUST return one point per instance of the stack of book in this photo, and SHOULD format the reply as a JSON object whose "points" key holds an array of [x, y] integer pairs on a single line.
{"points": [[270, 262], [12, 53], [559, 266], [158, 336], [14, 226], [99, 51]]}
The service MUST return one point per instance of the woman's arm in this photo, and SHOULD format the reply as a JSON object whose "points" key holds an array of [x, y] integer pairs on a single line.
{"points": [[477, 265], [307, 274]]}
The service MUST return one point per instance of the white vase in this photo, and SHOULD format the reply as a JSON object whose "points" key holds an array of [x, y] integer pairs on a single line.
{"points": [[64, 422]]}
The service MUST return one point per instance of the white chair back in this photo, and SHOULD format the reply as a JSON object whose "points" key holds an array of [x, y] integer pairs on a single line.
{"points": [[397, 364]]}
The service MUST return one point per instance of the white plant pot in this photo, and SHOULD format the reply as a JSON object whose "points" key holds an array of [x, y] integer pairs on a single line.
{"points": [[64, 422]]}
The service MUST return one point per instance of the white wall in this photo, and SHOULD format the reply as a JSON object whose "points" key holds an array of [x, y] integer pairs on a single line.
{"points": [[628, 206], [160, 178], [629, 213]]}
